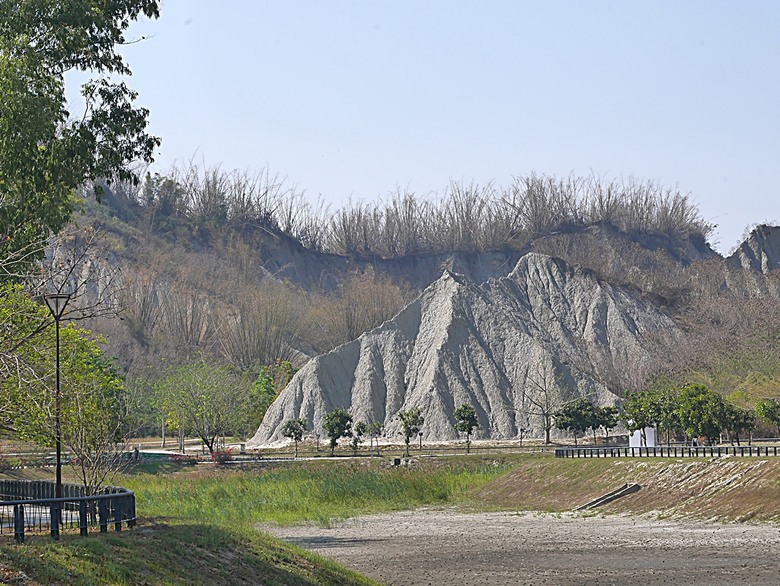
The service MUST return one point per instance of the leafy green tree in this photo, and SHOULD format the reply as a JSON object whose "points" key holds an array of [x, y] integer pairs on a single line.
{"points": [[638, 413], [465, 421], [93, 415], [411, 422], [97, 421], [738, 420], [45, 151], [264, 393], [606, 418], [204, 400], [358, 431], [663, 406], [294, 429], [577, 416], [769, 410], [21, 321], [270, 381], [338, 424], [702, 412]]}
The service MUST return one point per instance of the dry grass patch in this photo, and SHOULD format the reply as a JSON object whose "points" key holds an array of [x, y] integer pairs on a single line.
{"points": [[724, 489]]}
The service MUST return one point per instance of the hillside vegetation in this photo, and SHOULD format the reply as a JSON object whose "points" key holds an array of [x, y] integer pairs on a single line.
{"points": [[199, 250], [466, 217], [230, 268]]}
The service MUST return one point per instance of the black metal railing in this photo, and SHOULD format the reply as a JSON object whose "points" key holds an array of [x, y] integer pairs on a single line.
{"points": [[30, 507], [669, 452]]}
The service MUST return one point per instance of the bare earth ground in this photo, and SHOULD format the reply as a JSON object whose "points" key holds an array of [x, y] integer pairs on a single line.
{"points": [[433, 547]]}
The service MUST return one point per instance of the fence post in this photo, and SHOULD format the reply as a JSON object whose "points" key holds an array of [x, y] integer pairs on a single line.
{"points": [[54, 520], [116, 503], [83, 518], [131, 520], [19, 523], [103, 515]]}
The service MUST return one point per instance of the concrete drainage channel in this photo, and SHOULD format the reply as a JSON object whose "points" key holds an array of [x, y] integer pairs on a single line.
{"points": [[609, 497]]}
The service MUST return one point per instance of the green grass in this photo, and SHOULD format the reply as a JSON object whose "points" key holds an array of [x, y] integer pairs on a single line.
{"points": [[173, 554], [198, 525], [309, 491]]}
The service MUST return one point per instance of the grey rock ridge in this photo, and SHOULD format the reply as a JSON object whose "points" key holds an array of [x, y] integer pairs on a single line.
{"points": [[760, 252], [287, 259], [512, 347]]}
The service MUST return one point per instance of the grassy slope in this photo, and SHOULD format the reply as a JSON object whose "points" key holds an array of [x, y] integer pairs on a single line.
{"points": [[725, 489], [171, 554], [199, 525]]}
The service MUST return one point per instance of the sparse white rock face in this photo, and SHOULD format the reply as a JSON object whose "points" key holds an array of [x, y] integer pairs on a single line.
{"points": [[760, 252], [546, 333]]}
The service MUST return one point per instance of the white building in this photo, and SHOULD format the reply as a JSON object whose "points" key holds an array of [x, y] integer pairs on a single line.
{"points": [[635, 439]]}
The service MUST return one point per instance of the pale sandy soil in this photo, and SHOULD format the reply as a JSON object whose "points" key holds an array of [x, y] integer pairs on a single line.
{"points": [[435, 547]]}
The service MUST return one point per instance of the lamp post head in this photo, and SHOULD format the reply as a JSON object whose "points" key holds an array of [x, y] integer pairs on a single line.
{"points": [[56, 303]]}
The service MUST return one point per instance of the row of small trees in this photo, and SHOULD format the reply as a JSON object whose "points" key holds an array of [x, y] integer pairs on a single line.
{"points": [[580, 415], [692, 411], [695, 411], [339, 424]]}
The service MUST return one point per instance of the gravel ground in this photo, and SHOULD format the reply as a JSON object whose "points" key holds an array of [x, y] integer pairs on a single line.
{"points": [[432, 547]]}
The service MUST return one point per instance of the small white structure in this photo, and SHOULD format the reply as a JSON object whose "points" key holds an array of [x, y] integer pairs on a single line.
{"points": [[635, 439]]}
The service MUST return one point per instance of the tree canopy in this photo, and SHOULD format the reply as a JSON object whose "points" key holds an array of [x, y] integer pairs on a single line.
{"points": [[46, 152], [465, 421], [92, 405], [577, 416], [294, 429], [411, 422], [338, 424], [206, 400]]}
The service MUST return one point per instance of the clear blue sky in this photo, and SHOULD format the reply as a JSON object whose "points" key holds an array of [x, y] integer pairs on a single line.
{"points": [[351, 98]]}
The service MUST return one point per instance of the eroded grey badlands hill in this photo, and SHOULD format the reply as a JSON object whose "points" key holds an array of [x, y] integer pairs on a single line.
{"points": [[545, 334], [760, 251]]}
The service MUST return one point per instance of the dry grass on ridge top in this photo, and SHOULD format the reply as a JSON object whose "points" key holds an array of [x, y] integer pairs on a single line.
{"points": [[719, 489]]}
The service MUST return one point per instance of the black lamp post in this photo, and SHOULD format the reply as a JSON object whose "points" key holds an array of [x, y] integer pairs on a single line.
{"points": [[56, 303]]}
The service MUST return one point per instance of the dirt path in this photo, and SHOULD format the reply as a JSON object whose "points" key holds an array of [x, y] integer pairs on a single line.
{"points": [[433, 547]]}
